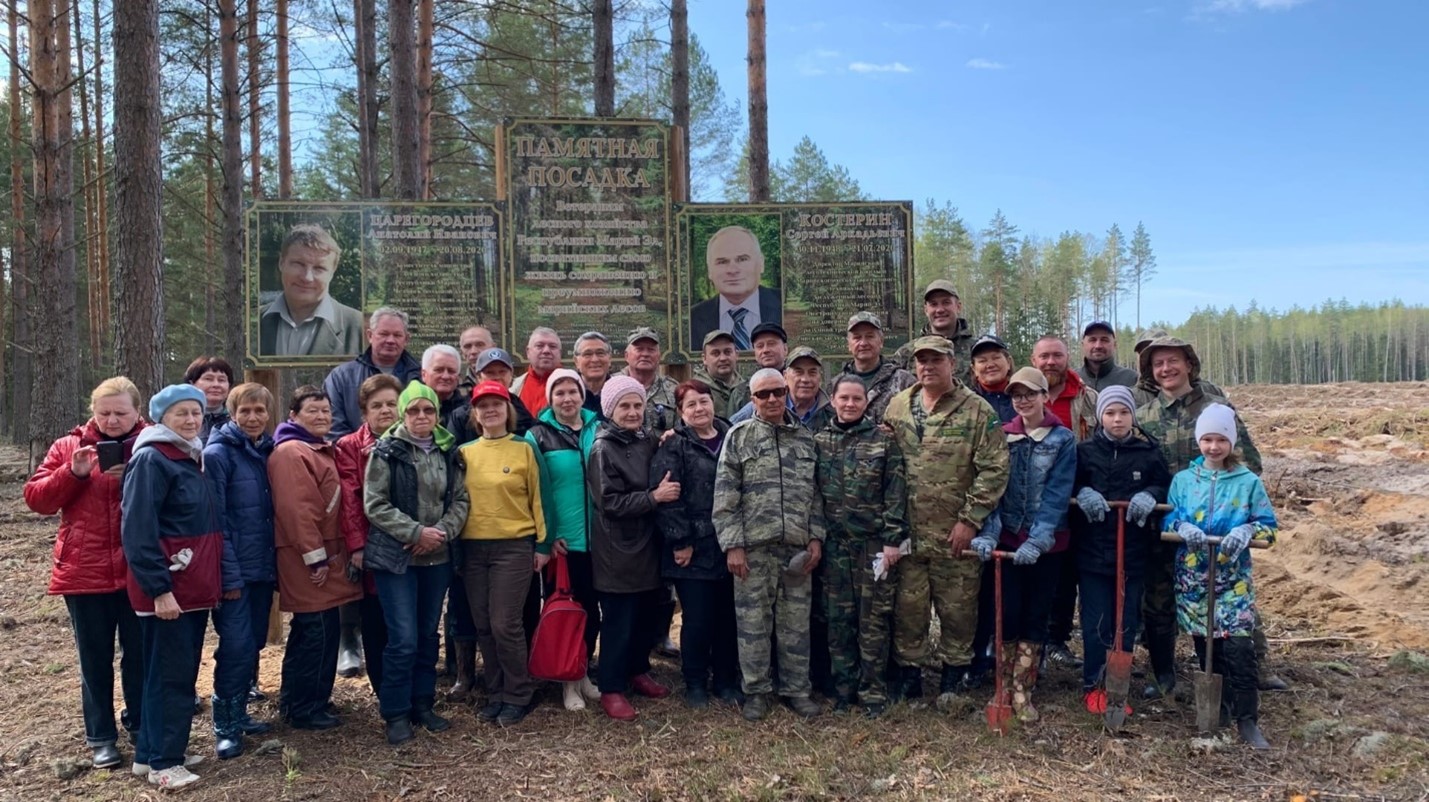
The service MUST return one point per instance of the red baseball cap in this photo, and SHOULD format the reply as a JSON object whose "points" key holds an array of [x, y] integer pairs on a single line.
{"points": [[489, 388]]}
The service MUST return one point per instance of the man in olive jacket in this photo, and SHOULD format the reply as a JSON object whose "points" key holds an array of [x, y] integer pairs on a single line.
{"points": [[772, 536], [957, 465]]}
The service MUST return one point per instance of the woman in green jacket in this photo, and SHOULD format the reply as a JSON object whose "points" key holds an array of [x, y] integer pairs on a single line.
{"points": [[563, 436]]}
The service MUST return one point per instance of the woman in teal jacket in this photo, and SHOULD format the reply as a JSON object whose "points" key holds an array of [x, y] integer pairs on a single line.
{"points": [[563, 436]]}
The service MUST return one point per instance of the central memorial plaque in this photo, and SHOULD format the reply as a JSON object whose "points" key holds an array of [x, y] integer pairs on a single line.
{"points": [[588, 241]]}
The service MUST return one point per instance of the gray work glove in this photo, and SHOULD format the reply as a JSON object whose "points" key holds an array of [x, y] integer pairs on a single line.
{"points": [[1093, 505], [1140, 508], [984, 545], [1192, 536], [1236, 541], [1027, 553]]}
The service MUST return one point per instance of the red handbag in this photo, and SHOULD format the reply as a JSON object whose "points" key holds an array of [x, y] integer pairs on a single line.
{"points": [[558, 651]]}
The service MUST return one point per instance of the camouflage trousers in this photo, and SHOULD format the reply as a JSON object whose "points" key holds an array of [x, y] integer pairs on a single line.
{"points": [[1158, 610], [860, 617], [769, 605], [948, 585]]}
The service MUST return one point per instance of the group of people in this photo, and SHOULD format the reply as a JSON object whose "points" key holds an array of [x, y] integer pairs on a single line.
{"points": [[809, 519]]}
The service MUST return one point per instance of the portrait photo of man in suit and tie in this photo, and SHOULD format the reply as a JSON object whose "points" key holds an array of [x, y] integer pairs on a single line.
{"points": [[734, 265], [304, 319]]}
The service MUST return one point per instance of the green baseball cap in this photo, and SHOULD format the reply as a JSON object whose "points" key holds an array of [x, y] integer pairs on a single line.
{"points": [[642, 333], [865, 316], [940, 285], [804, 352], [933, 342]]}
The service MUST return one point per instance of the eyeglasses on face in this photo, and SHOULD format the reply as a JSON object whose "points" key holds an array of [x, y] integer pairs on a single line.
{"points": [[423, 411], [1024, 398], [776, 392]]}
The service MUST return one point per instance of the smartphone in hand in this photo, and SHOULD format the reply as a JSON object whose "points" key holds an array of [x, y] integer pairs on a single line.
{"points": [[111, 453]]}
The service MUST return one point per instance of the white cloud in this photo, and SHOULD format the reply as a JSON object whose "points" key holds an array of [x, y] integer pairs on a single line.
{"points": [[985, 64], [949, 25], [1240, 6], [864, 66], [903, 27], [816, 62]]}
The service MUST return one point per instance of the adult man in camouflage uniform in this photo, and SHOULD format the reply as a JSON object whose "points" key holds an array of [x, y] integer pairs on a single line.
{"points": [[944, 310], [642, 363], [1170, 417], [772, 535], [1146, 388], [864, 496], [957, 466], [771, 349], [882, 378], [719, 368]]}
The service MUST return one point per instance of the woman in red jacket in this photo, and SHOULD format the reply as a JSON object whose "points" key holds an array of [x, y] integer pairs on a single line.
{"points": [[89, 569], [377, 398]]}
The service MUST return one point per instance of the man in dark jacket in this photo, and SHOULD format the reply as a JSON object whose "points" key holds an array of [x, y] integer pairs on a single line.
{"points": [[944, 310], [1099, 369], [386, 353], [882, 379]]}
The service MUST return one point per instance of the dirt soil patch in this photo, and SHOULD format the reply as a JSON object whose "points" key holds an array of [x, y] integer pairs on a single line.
{"points": [[1342, 592]]}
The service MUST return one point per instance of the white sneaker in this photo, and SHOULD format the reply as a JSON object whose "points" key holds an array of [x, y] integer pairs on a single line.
{"points": [[173, 778], [588, 689], [571, 696], [142, 769]]}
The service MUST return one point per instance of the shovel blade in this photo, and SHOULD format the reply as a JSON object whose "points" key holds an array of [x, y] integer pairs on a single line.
{"points": [[1208, 702], [1118, 677], [999, 717]]}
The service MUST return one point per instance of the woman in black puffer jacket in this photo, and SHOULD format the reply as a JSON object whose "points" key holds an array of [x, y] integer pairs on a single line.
{"points": [[691, 556]]}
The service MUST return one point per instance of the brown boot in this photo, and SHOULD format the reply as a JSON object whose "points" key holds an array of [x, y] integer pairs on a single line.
{"points": [[465, 672], [1024, 678]]}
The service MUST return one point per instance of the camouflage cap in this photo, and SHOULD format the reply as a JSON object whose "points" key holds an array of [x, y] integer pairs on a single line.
{"points": [[865, 316], [717, 334], [804, 352], [1147, 335], [940, 285], [642, 333], [1028, 377], [987, 341], [934, 342]]}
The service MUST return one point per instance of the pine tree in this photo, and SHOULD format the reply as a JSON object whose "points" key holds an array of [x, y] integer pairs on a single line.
{"points": [[1141, 265], [808, 177]]}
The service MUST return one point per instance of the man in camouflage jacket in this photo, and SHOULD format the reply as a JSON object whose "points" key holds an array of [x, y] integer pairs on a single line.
{"points": [[882, 378], [943, 308], [772, 534], [957, 466], [864, 495]]}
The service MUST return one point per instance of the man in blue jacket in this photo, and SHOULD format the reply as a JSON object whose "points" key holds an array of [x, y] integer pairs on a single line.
{"points": [[386, 352]]}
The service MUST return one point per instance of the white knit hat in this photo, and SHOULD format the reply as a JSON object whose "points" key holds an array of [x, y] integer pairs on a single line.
{"points": [[1217, 419]]}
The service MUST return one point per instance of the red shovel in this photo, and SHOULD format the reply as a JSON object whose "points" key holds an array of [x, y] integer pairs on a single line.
{"points": [[999, 709], [1118, 661]]}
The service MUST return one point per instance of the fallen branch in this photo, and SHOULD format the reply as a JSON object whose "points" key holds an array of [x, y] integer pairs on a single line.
{"points": [[1317, 639]]}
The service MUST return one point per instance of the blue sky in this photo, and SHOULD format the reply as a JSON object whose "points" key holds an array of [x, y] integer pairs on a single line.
{"points": [[1275, 149]]}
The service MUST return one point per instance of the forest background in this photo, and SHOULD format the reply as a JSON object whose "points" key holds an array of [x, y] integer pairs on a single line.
{"points": [[135, 141]]}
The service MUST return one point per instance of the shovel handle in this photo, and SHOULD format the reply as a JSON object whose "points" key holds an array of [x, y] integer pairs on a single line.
{"points": [[998, 555], [1119, 505], [1172, 537]]}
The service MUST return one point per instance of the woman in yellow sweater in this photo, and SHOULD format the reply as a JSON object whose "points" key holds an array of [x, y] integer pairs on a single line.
{"points": [[498, 548]]}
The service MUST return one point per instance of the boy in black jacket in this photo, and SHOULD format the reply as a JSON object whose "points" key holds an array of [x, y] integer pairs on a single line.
{"points": [[1119, 462]]}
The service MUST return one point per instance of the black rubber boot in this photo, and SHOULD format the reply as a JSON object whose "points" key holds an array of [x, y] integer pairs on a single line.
{"points": [[227, 734], [954, 679], [422, 714], [1163, 664], [1242, 679], [399, 730], [912, 682]]}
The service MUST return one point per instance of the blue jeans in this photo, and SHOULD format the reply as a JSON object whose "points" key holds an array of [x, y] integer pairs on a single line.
{"points": [[242, 627], [170, 672], [412, 608], [1099, 621], [95, 618]]}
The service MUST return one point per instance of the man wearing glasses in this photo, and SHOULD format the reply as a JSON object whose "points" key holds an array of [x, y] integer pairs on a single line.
{"points": [[592, 358], [766, 521]]}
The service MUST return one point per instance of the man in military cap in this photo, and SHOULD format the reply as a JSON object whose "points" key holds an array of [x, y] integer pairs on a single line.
{"points": [[956, 460], [881, 378], [944, 310], [807, 401], [771, 348], [719, 368], [642, 363]]}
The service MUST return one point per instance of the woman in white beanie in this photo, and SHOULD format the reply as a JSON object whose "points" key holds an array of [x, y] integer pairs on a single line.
{"points": [[1218, 497]]}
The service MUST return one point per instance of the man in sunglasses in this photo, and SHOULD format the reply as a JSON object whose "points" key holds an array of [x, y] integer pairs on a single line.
{"points": [[766, 521], [957, 465]]}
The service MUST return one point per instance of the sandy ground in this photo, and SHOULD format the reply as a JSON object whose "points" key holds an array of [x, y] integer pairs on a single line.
{"points": [[1346, 464]]}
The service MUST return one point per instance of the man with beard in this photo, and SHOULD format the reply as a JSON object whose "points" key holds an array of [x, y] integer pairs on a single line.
{"points": [[1099, 369]]}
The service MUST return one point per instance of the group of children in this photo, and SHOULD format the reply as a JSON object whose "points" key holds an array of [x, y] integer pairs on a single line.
{"points": [[1217, 506]]}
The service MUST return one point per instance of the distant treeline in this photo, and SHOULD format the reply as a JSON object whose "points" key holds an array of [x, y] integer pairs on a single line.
{"points": [[1335, 342]]}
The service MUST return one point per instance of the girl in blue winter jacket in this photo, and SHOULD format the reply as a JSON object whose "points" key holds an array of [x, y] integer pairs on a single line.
{"points": [[1031, 522], [1217, 497]]}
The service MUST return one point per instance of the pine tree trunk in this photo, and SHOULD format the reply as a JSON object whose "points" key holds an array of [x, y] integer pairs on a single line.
{"points": [[366, 15], [19, 253], [138, 198], [91, 255], [231, 202], [210, 195], [101, 175], [758, 108], [425, 25], [56, 359], [254, 46], [680, 82], [406, 167], [285, 123], [603, 14]]}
